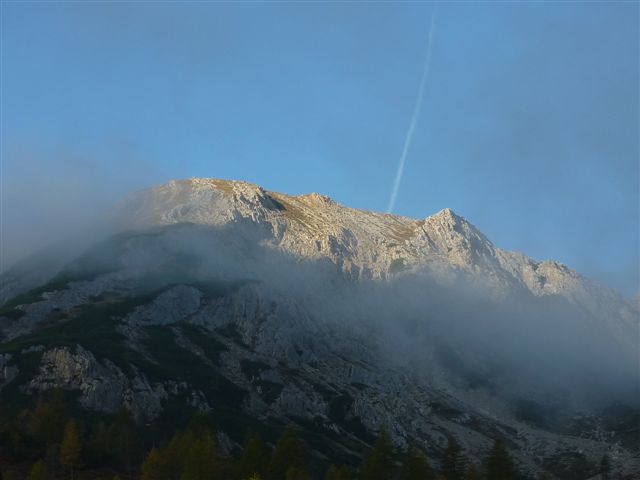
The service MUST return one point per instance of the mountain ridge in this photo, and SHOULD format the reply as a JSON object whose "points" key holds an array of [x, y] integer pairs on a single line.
{"points": [[365, 243]]}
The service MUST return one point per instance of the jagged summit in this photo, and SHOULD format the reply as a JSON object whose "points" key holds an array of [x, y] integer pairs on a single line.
{"points": [[446, 213], [363, 244]]}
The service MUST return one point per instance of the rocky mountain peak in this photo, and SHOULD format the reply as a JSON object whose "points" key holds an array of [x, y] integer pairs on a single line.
{"points": [[361, 243], [446, 213], [447, 219]]}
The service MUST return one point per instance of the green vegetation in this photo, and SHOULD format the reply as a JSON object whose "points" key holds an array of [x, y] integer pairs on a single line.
{"points": [[454, 463], [415, 466], [38, 471], [175, 362], [70, 447], [50, 443], [12, 313], [289, 454], [200, 337], [499, 465], [379, 464], [338, 473], [253, 460], [397, 265], [93, 326], [59, 282]]}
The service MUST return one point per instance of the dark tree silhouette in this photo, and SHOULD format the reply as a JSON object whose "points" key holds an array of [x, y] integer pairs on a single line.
{"points": [[253, 459], [70, 447], [499, 464], [415, 466], [605, 467], [378, 465], [453, 461], [289, 453], [338, 473], [473, 473]]}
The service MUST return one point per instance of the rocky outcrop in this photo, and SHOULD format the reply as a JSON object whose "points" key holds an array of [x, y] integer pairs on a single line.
{"points": [[171, 306], [103, 386]]}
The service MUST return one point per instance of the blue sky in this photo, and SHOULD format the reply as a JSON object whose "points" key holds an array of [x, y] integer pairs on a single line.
{"points": [[529, 126]]}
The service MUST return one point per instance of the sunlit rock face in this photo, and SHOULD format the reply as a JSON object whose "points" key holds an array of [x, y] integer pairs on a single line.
{"points": [[254, 304], [365, 244]]}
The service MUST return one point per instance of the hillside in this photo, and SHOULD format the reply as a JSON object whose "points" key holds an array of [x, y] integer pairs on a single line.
{"points": [[265, 310]]}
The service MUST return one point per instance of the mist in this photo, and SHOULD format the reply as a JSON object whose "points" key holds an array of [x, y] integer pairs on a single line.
{"points": [[60, 200], [457, 337]]}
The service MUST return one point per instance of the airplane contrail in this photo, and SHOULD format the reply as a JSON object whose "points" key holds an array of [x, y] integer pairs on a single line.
{"points": [[416, 114]]}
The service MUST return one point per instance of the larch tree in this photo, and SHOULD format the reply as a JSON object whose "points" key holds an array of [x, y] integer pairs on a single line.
{"points": [[47, 423], [37, 472], [295, 473], [204, 460], [153, 466], [70, 447], [253, 459]]}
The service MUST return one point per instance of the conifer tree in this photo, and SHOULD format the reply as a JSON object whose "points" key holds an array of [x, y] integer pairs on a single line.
{"points": [[47, 423], [98, 444], [289, 453], [153, 467], [453, 461], [415, 466], [295, 473], [70, 447], [175, 453], [201, 462], [338, 473], [605, 467], [124, 442], [37, 472], [473, 473], [378, 465], [201, 424], [48, 420], [499, 464], [253, 459]]}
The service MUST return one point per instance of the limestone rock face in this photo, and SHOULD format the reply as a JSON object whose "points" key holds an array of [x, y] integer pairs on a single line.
{"points": [[362, 243], [365, 244], [103, 386], [171, 306]]}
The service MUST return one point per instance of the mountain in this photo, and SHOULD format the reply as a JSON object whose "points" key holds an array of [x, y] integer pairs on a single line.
{"points": [[266, 309]]}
